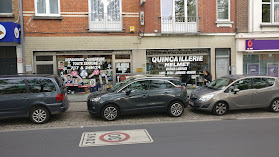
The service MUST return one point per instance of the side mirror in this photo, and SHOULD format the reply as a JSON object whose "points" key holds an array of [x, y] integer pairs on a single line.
{"points": [[235, 90], [128, 91]]}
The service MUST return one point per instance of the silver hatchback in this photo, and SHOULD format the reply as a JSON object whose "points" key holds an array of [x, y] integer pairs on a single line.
{"points": [[237, 92]]}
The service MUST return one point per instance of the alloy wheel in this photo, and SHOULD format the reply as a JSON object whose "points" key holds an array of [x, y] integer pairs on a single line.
{"points": [[39, 115], [221, 108], [176, 109], [275, 105], [110, 113]]}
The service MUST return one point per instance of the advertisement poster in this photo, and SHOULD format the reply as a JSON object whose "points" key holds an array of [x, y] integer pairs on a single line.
{"points": [[253, 69], [272, 69]]}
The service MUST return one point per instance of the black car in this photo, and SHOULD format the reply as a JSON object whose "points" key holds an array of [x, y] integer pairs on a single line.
{"points": [[140, 94], [33, 96]]}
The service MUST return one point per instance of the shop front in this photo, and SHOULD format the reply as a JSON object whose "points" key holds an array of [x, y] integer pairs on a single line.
{"points": [[85, 71], [187, 64], [10, 50], [261, 57]]}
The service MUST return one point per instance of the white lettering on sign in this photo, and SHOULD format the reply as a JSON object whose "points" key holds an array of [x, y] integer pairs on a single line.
{"points": [[177, 59], [103, 138]]}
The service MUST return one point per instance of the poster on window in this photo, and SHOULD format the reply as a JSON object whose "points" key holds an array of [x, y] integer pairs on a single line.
{"points": [[253, 68], [272, 69]]}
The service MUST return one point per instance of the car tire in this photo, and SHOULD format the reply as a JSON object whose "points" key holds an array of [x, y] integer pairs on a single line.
{"points": [[110, 112], [39, 115], [274, 106], [176, 109], [220, 108]]}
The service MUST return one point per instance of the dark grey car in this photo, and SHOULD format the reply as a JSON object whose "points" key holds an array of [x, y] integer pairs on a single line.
{"points": [[140, 94], [237, 92], [33, 96]]}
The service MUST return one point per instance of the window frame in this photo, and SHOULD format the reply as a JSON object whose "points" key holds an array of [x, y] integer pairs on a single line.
{"points": [[272, 9], [47, 9], [10, 13], [106, 28], [229, 12]]}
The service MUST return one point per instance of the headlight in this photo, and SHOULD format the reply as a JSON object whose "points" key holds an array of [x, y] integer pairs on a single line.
{"points": [[96, 99], [206, 97]]}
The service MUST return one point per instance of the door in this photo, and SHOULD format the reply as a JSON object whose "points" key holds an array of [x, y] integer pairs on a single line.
{"points": [[222, 62], [160, 94], [261, 93], [13, 98], [243, 98], [136, 98]]}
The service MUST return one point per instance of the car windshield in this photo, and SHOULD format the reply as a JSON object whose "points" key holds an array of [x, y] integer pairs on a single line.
{"points": [[220, 83], [120, 84]]}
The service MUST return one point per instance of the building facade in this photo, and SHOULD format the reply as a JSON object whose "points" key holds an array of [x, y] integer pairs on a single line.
{"points": [[258, 46], [103, 40], [11, 52]]}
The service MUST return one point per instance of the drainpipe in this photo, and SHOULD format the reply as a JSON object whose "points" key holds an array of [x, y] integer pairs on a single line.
{"points": [[250, 16], [22, 34]]}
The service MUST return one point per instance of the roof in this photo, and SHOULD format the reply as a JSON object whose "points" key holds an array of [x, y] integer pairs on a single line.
{"points": [[235, 77]]}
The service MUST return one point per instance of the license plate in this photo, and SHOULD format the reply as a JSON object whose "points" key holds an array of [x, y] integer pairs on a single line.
{"points": [[191, 103]]}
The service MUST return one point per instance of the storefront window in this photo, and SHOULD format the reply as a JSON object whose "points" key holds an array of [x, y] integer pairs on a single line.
{"points": [[261, 64], [84, 73], [188, 64]]}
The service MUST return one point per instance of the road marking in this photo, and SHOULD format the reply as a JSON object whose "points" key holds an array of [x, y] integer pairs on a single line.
{"points": [[103, 138]]}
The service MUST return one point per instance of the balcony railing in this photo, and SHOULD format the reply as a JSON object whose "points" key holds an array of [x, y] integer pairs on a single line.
{"points": [[105, 22], [172, 24]]}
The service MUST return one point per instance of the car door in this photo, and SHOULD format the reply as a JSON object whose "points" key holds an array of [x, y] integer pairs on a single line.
{"points": [[243, 98], [137, 97], [261, 93], [160, 94], [13, 98]]}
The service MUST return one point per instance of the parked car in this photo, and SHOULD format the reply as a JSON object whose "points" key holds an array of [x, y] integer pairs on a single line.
{"points": [[237, 92], [33, 96], [140, 94]]}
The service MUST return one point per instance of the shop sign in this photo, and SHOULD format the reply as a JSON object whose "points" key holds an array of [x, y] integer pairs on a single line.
{"points": [[139, 70], [123, 67], [177, 64], [9, 32], [85, 63], [262, 44]]}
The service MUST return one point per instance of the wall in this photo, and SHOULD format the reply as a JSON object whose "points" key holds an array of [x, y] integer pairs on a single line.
{"points": [[242, 16]]}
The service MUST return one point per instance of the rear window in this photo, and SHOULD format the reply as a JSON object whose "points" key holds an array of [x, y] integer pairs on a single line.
{"points": [[38, 85], [12, 86], [270, 81], [59, 81]]}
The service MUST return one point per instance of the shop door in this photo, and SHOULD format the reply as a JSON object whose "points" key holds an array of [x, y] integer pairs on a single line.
{"points": [[8, 60], [222, 62]]}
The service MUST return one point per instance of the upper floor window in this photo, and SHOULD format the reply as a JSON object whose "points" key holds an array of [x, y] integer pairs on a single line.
{"points": [[223, 10], [105, 15], [5, 6], [47, 7], [270, 11], [179, 16]]}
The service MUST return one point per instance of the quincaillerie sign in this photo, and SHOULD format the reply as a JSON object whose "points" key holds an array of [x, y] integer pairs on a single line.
{"points": [[177, 64]]}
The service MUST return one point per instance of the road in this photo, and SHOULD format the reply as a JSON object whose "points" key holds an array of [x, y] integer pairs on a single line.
{"points": [[218, 138]]}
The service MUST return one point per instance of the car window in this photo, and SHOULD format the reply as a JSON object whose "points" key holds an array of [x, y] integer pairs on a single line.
{"points": [[137, 86], [40, 85], [176, 82], [158, 84], [243, 84], [259, 83], [220, 83], [169, 85], [12, 86], [270, 81]]}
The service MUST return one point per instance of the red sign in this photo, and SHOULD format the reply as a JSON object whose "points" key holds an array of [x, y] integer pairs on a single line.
{"points": [[114, 137], [19, 60]]}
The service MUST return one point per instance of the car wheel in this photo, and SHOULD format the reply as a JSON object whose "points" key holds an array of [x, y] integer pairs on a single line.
{"points": [[39, 115], [176, 109], [274, 106], [110, 112], [220, 108]]}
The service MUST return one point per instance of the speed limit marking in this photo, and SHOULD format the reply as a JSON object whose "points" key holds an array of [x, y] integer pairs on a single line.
{"points": [[103, 138]]}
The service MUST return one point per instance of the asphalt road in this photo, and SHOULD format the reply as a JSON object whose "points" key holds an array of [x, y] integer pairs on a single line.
{"points": [[221, 138]]}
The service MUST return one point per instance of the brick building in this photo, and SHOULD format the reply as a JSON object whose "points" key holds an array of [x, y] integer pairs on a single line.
{"points": [[101, 40], [11, 54]]}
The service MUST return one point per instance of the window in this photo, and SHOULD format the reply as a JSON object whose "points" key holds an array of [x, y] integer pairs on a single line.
{"points": [[243, 84], [106, 15], [47, 7], [44, 58], [270, 11], [12, 86], [40, 85], [176, 12], [270, 81], [223, 10], [158, 84], [137, 86], [259, 83], [6, 6]]}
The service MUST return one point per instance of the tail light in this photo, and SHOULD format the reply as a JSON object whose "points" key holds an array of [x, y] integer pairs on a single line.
{"points": [[60, 97], [181, 87]]}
